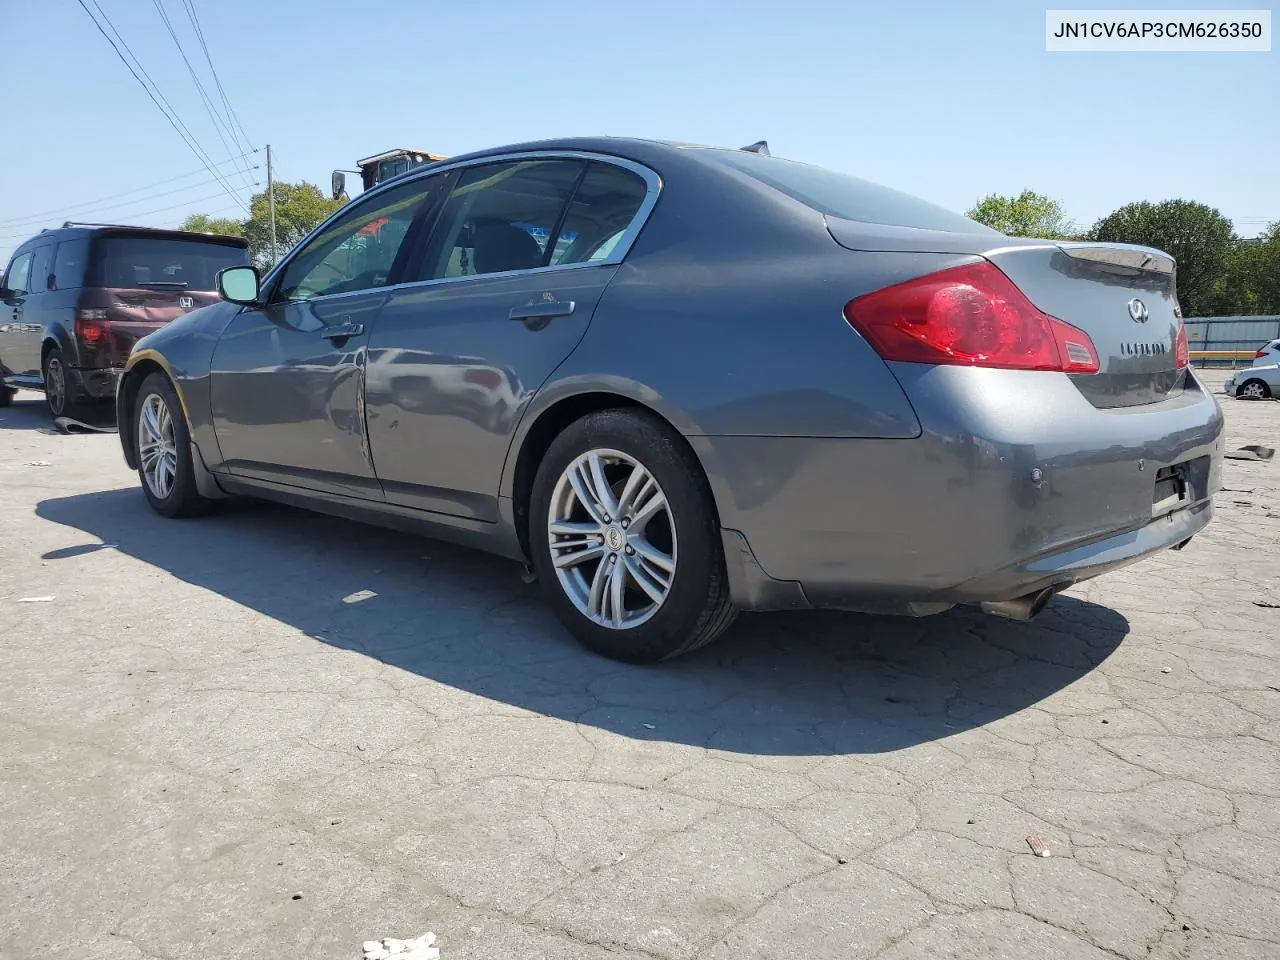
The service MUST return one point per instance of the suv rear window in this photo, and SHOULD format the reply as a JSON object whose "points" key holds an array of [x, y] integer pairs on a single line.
{"points": [[840, 195], [123, 261]]}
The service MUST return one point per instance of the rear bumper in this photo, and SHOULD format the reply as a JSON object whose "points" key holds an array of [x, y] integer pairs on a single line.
{"points": [[96, 383], [1016, 484]]}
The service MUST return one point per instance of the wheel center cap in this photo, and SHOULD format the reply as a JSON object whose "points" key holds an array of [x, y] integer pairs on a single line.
{"points": [[615, 538]]}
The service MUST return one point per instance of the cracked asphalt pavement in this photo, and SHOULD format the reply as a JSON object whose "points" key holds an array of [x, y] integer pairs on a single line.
{"points": [[206, 752]]}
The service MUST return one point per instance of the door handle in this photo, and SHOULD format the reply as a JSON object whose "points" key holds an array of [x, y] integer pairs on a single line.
{"points": [[342, 331], [543, 310]]}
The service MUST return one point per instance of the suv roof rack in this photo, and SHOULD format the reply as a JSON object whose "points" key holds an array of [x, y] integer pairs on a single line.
{"points": [[760, 146]]}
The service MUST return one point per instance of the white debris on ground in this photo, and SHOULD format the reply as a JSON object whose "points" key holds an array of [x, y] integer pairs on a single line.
{"points": [[389, 948]]}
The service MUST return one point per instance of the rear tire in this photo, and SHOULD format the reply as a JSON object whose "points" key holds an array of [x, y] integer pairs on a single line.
{"points": [[649, 584], [58, 391], [1253, 389], [162, 444]]}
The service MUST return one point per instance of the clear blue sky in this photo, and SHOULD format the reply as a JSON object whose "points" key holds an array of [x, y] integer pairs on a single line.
{"points": [[945, 100]]}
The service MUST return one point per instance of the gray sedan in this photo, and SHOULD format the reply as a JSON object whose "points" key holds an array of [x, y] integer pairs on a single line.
{"points": [[1254, 383], [681, 381]]}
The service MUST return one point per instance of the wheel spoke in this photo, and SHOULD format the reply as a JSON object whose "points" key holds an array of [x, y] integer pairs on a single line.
{"points": [[600, 488], [582, 491], [636, 484], [572, 528], [656, 591], [647, 509], [617, 591], [595, 602], [653, 556], [564, 561], [150, 421]]}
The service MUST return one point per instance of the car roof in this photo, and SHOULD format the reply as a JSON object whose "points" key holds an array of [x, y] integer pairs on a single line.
{"points": [[72, 231]]}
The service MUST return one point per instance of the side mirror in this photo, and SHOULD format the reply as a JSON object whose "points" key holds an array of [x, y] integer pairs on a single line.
{"points": [[239, 284], [6, 293]]}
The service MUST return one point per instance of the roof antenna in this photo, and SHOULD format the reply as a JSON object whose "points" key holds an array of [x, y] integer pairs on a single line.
{"points": [[760, 146]]}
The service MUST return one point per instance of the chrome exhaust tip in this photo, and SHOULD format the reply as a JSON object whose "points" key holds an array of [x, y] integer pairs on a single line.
{"points": [[1019, 608]]}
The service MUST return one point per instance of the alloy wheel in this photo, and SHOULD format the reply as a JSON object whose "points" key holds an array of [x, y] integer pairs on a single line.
{"points": [[1253, 390], [157, 446], [55, 386], [612, 539]]}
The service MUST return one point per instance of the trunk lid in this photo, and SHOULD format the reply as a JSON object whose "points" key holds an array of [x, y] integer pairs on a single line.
{"points": [[132, 313], [1121, 295]]}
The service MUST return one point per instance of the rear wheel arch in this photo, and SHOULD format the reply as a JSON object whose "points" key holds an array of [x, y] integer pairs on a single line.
{"points": [[551, 422]]}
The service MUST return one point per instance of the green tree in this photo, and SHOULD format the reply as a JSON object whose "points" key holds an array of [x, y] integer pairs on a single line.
{"points": [[1029, 214], [1197, 236], [203, 223], [299, 207]]}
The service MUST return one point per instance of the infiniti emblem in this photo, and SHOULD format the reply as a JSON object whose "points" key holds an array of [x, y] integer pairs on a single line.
{"points": [[1138, 311], [615, 538], [186, 303]]}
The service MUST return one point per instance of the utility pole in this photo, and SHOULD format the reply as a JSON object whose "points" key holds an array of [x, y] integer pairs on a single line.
{"points": [[271, 204]]}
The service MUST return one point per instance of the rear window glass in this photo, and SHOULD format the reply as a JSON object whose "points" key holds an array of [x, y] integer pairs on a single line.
{"points": [[840, 195], [159, 261]]}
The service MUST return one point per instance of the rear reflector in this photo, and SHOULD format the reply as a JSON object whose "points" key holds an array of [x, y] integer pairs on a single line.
{"points": [[971, 316], [92, 327]]}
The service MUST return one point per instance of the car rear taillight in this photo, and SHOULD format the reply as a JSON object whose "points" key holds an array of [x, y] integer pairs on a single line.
{"points": [[1260, 354], [92, 327], [972, 316], [1181, 349]]}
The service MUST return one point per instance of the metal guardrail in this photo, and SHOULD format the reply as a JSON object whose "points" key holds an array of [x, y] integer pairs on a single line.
{"points": [[1234, 341]]}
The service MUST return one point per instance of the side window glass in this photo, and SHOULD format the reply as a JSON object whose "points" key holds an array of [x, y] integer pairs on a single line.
{"points": [[41, 262], [69, 263], [602, 210], [501, 217], [16, 278], [355, 252]]}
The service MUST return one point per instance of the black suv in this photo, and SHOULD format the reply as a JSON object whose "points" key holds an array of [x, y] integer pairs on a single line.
{"points": [[80, 296]]}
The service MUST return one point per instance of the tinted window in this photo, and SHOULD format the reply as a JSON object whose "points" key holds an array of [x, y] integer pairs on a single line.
{"points": [[603, 207], [69, 263], [840, 195], [123, 261], [357, 251], [16, 278], [501, 217], [41, 262]]}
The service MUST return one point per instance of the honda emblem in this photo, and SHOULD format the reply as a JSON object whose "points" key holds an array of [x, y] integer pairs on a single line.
{"points": [[186, 303]]}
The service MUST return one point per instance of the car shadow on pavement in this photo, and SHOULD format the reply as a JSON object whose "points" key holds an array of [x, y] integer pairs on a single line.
{"points": [[29, 412], [776, 684]]}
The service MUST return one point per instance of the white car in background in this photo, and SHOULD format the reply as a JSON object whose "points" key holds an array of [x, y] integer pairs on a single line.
{"points": [[1254, 383], [1267, 354]]}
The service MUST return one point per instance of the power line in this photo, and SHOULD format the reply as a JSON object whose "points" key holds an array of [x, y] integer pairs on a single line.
{"points": [[218, 123], [144, 213], [174, 120], [99, 206], [242, 141]]}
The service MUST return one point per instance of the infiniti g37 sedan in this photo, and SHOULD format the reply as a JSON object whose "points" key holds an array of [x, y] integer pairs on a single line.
{"points": [[683, 381]]}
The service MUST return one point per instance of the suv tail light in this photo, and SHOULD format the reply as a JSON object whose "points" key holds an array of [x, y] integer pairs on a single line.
{"points": [[972, 316], [1260, 354], [92, 327]]}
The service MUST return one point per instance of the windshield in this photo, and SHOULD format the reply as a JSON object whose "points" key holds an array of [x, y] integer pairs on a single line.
{"points": [[146, 261], [840, 195]]}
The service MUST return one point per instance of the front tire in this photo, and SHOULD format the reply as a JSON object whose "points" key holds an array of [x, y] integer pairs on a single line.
{"points": [[625, 539], [1254, 389], [162, 443]]}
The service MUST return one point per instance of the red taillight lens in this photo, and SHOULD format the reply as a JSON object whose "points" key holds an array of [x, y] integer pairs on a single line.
{"points": [[972, 316], [92, 327], [1181, 349], [1261, 353]]}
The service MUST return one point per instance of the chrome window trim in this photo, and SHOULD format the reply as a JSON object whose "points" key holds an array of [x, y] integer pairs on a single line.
{"points": [[653, 189]]}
